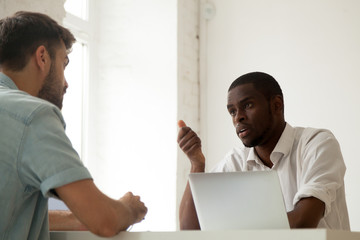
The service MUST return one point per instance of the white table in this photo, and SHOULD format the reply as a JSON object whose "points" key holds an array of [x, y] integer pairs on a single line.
{"points": [[298, 234]]}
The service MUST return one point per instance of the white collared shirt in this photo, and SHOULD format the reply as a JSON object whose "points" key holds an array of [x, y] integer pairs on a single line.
{"points": [[309, 164]]}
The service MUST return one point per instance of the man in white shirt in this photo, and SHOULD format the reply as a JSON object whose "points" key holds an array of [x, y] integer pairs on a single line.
{"points": [[308, 161]]}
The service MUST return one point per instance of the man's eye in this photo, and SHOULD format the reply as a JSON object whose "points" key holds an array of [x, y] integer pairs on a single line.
{"points": [[248, 105], [232, 112]]}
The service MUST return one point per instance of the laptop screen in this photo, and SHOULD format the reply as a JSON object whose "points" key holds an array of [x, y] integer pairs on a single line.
{"points": [[238, 200]]}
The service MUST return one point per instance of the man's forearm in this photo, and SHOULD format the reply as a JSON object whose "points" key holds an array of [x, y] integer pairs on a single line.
{"points": [[307, 213], [64, 221], [187, 213]]}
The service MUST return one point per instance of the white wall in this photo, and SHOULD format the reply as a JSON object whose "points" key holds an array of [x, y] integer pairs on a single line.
{"points": [[188, 82], [312, 48]]}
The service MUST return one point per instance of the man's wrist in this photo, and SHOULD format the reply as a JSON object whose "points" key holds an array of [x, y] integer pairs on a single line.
{"points": [[199, 164], [197, 168]]}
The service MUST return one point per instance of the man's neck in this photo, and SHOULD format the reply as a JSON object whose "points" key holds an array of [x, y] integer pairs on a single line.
{"points": [[25, 80], [265, 151], [265, 157]]}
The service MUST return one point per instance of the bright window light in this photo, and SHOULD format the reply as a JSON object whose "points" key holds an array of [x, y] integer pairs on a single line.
{"points": [[120, 107], [77, 75], [78, 8], [73, 99]]}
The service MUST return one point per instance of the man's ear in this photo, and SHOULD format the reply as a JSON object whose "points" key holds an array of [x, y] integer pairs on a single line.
{"points": [[278, 104], [42, 58]]}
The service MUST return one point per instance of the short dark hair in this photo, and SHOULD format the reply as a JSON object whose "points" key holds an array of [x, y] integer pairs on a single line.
{"points": [[262, 82], [22, 33]]}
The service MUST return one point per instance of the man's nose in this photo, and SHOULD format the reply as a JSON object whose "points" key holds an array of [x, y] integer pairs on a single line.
{"points": [[240, 116]]}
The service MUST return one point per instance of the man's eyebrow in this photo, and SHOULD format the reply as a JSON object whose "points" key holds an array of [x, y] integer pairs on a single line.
{"points": [[240, 102]]}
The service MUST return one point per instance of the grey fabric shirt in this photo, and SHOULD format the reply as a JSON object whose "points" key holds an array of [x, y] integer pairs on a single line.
{"points": [[36, 156]]}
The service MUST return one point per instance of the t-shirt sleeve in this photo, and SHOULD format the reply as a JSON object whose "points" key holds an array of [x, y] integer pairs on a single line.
{"points": [[322, 169], [48, 159]]}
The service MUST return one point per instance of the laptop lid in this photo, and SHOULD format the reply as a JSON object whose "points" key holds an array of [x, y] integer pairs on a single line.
{"points": [[238, 200]]}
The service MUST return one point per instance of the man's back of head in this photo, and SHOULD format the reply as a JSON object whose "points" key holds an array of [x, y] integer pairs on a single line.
{"points": [[22, 33]]}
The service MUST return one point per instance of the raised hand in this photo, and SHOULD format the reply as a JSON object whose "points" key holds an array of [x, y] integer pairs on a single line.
{"points": [[190, 144]]}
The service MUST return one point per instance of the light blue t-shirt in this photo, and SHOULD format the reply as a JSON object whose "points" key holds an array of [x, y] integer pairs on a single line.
{"points": [[36, 156]]}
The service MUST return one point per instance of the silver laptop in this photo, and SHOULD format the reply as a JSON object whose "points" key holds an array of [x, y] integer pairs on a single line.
{"points": [[238, 200]]}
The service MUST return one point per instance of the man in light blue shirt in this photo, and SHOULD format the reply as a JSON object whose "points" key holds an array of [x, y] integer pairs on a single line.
{"points": [[37, 160]]}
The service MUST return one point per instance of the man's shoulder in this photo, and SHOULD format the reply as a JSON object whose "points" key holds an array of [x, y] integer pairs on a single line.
{"points": [[239, 151], [234, 160], [309, 133], [309, 136], [23, 107]]}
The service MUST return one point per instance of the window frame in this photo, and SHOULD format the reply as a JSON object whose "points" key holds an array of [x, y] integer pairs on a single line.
{"points": [[83, 31]]}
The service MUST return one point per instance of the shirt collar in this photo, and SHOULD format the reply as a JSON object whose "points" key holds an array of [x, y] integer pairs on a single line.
{"points": [[285, 143], [6, 81], [282, 148]]}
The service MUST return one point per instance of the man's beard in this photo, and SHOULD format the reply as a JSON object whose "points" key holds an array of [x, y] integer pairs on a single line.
{"points": [[260, 139], [50, 90]]}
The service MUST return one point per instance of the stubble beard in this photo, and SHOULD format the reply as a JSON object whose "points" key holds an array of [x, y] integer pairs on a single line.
{"points": [[49, 91], [260, 139]]}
